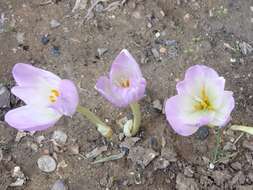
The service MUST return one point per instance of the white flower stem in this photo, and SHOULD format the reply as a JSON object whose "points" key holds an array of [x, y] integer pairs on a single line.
{"points": [[105, 130], [135, 107]]}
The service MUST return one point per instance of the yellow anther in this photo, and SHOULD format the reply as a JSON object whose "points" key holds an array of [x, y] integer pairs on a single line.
{"points": [[125, 83], [203, 103], [54, 95]]}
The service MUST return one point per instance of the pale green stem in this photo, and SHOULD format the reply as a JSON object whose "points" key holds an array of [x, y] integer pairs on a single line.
{"points": [[101, 126], [135, 107], [217, 146]]}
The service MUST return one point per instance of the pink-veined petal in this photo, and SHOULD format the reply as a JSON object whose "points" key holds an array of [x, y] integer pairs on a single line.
{"points": [[125, 67], [30, 118], [68, 100], [28, 75]]}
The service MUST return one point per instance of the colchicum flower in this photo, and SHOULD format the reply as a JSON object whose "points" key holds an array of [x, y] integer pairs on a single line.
{"points": [[47, 98], [125, 86], [201, 100]]}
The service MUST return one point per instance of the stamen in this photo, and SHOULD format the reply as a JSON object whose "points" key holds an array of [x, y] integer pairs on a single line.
{"points": [[54, 95], [125, 83], [203, 102], [122, 82]]}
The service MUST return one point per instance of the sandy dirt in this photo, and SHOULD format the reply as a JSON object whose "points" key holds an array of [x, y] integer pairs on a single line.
{"points": [[165, 37]]}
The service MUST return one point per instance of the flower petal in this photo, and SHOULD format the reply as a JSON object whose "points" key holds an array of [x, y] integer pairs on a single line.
{"points": [[32, 95], [30, 118], [125, 66], [199, 78], [120, 97], [200, 71], [181, 116], [222, 115], [214, 90], [104, 87], [195, 78], [129, 95], [68, 100], [28, 75], [125, 84]]}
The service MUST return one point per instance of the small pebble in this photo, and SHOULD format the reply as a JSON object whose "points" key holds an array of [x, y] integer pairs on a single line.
{"points": [[154, 144], [19, 176], [157, 105], [1, 154], [44, 39], [236, 165], [162, 13], [121, 136], [142, 156], [46, 163], [59, 185], [229, 147], [202, 133], [103, 181], [33, 146], [60, 137], [17, 172], [149, 25], [211, 166], [20, 135], [163, 50], [155, 53], [74, 149], [136, 14], [18, 183], [4, 97], [187, 17], [157, 34], [188, 171], [80, 4], [99, 7], [96, 152], [101, 51], [250, 176], [248, 145], [245, 48], [40, 138], [54, 23], [232, 60], [161, 164], [20, 38], [55, 51]]}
